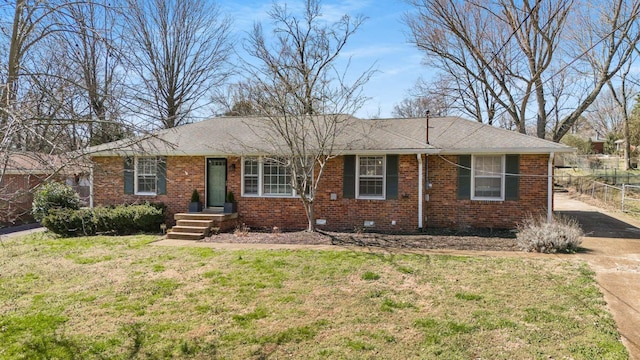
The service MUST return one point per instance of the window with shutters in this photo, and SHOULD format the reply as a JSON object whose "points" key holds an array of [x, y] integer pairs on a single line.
{"points": [[487, 177], [146, 178], [370, 171]]}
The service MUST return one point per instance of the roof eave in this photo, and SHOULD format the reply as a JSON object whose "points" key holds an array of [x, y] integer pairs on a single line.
{"points": [[506, 151], [223, 154]]}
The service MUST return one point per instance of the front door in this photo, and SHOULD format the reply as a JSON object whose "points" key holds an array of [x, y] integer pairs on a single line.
{"points": [[216, 182]]}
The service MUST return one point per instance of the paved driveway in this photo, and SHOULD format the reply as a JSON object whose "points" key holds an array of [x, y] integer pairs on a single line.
{"points": [[612, 241]]}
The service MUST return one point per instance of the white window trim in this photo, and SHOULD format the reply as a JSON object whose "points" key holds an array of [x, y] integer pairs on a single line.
{"points": [[135, 177], [502, 179], [384, 179], [261, 193]]}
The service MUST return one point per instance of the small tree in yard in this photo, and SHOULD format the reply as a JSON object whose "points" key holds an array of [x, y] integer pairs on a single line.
{"points": [[305, 100]]}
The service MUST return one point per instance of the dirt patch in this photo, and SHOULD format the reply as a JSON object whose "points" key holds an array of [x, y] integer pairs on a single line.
{"points": [[480, 240]]}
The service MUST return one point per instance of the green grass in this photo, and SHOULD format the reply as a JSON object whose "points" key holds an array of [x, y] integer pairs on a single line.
{"points": [[121, 298]]}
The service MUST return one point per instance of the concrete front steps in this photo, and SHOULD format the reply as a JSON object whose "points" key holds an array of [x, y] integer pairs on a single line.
{"points": [[196, 226]]}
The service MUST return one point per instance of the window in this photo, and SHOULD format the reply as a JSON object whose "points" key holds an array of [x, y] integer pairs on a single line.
{"points": [[371, 177], [251, 175], [146, 175], [487, 177], [267, 176], [276, 177]]}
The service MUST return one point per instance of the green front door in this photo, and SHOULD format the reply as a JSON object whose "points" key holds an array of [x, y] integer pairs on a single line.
{"points": [[216, 182]]}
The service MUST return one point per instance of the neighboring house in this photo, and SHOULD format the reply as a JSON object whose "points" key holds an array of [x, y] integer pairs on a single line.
{"points": [[23, 172], [620, 144], [598, 144], [388, 176]]}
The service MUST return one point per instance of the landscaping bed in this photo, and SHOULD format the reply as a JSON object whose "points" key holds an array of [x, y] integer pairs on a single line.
{"points": [[476, 239]]}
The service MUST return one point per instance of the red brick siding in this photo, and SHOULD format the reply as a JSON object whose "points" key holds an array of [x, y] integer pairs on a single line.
{"points": [[340, 214], [16, 196], [444, 209], [348, 214], [184, 173]]}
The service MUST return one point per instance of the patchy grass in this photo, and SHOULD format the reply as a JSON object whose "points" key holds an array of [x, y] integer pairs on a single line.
{"points": [[119, 298]]}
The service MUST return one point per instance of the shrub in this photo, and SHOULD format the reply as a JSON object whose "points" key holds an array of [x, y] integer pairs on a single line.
{"points": [[70, 222], [195, 196], [121, 220], [535, 234], [53, 195]]}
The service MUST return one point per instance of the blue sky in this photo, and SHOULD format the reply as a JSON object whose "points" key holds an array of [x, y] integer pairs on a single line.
{"points": [[381, 42]]}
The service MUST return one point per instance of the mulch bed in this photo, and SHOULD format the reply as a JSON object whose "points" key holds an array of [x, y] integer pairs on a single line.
{"points": [[480, 240]]}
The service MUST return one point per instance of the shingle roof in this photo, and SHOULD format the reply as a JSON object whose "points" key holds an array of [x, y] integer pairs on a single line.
{"points": [[26, 162], [245, 135]]}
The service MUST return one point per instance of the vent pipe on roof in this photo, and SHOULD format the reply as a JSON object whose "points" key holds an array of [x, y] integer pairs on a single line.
{"points": [[427, 126]]}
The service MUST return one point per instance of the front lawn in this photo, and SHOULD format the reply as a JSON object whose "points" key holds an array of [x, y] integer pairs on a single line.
{"points": [[119, 297]]}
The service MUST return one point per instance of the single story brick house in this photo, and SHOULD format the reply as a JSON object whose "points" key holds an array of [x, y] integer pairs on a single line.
{"points": [[390, 175]]}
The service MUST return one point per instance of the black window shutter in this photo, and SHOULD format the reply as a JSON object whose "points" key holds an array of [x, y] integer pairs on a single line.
{"points": [[161, 176], [512, 182], [349, 177], [128, 175], [464, 177], [392, 177]]}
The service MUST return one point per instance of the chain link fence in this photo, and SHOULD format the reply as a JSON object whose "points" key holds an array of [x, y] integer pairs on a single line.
{"points": [[624, 197]]}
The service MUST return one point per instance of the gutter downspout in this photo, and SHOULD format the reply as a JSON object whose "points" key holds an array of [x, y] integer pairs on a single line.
{"points": [[91, 186], [420, 195], [550, 189]]}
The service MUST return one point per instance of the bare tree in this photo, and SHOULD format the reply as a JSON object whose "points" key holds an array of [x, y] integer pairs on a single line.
{"points": [[475, 39], [93, 50], [606, 42], [303, 95], [179, 51], [604, 114], [30, 24], [622, 96], [411, 107], [421, 98], [515, 49], [233, 100]]}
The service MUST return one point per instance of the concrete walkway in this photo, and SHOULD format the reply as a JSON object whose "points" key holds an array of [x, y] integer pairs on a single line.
{"points": [[612, 241]]}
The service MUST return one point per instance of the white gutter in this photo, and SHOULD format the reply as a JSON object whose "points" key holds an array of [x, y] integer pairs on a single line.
{"points": [[420, 195], [91, 186], [550, 189], [510, 150]]}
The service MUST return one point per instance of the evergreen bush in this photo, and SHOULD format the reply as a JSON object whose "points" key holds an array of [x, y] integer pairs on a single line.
{"points": [[53, 195], [120, 220]]}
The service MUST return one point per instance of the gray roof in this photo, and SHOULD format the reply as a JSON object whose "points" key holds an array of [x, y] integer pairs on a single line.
{"points": [[222, 136]]}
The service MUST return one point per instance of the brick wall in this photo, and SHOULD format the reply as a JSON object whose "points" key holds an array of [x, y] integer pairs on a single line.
{"points": [[16, 196], [340, 214], [184, 173], [442, 210]]}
